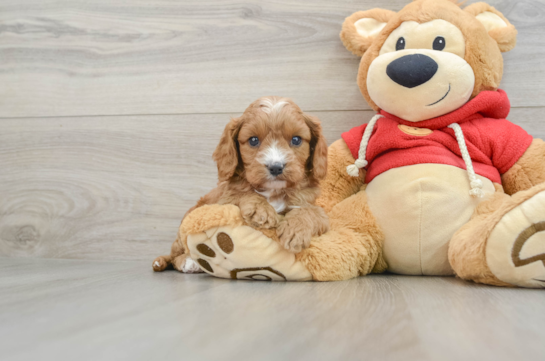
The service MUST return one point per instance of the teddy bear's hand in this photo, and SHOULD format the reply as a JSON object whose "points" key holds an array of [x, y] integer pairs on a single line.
{"points": [[294, 234], [259, 214]]}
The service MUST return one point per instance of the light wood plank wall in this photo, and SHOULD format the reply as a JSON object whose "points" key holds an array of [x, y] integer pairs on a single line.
{"points": [[110, 109]]}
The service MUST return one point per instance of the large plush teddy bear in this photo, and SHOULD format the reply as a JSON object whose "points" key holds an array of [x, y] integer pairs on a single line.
{"points": [[437, 183]]}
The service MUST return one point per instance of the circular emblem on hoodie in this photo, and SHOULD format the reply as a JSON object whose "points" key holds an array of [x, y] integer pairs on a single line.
{"points": [[419, 132]]}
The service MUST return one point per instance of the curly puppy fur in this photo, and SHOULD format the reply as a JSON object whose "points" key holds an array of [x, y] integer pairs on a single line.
{"points": [[270, 162]]}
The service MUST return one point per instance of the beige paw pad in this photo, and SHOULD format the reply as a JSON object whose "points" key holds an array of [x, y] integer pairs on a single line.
{"points": [[244, 253], [515, 251]]}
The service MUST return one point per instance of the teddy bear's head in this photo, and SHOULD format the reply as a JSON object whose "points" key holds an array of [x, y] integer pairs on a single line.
{"points": [[430, 58]]}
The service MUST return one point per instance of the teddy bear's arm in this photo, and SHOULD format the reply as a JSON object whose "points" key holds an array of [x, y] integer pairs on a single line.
{"points": [[338, 185], [528, 171]]}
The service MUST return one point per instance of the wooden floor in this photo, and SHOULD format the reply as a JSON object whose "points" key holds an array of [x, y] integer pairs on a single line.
{"points": [[91, 310]]}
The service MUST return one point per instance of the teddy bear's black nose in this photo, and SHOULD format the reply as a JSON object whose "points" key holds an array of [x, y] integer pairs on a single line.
{"points": [[412, 70]]}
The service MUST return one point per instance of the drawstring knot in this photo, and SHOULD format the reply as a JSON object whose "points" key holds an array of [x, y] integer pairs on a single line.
{"points": [[477, 183], [354, 169]]}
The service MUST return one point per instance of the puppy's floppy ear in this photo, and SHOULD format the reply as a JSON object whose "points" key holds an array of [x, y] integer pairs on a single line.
{"points": [[227, 155], [361, 28], [317, 161], [497, 25]]}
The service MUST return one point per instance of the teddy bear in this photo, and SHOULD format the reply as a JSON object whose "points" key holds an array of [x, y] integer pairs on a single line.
{"points": [[437, 183]]}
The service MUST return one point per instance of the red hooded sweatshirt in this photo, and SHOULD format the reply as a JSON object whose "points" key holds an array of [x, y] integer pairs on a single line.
{"points": [[494, 143]]}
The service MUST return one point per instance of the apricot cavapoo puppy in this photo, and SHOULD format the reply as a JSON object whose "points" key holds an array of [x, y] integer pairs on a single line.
{"points": [[270, 161]]}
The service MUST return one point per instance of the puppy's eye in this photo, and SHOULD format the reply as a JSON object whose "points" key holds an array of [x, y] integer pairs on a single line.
{"points": [[439, 43], [296, 141], [254, 141], [400, 45]]}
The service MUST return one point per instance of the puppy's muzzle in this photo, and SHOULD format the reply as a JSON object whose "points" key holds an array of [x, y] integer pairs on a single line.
{"points": [[276, 169]]}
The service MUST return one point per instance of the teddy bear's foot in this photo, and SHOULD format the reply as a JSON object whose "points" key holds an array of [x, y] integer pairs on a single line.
{"points": [[242, 252], [515, 251]]}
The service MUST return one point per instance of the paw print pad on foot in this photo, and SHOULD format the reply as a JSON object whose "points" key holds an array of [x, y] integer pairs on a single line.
{"points": [[225, 242], [516, 246], [246, 254]]}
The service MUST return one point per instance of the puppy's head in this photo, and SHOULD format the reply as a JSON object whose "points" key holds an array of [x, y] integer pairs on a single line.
{"points": [[273, 145]]}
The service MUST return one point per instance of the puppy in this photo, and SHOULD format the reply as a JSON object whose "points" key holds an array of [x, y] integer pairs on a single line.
{"points": [[270, 161]]}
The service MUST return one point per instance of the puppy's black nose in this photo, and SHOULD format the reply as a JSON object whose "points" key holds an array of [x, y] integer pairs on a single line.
{"points": [[412, 70], [276, 169]]}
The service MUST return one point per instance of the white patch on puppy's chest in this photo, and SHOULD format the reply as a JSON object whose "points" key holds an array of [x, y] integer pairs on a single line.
{"points": [[279, 204]]}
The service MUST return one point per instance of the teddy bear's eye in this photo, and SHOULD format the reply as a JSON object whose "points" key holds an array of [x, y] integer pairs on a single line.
{"points": [[439, 43], [400, 45], [254, 141]]}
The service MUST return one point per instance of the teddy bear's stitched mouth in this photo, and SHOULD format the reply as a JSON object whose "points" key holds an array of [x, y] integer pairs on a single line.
{"points": [[444, 96]]}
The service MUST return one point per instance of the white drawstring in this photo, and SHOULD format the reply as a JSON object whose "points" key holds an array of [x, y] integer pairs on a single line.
{"points": [[475, 183], [354, 169]]}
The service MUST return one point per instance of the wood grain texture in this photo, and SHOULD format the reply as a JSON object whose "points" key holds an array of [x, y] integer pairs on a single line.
{"points": [[112, 57], [109, 187], [89, 310], [117, 187]]}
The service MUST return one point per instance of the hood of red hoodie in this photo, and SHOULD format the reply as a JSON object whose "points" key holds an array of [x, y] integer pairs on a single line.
{"points": [[488, 104]]}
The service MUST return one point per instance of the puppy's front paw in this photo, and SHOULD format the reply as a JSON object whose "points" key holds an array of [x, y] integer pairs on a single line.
{"points": [[294, 235], [260, 215]]}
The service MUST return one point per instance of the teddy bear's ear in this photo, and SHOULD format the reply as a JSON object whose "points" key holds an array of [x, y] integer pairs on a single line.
{"points": [[497, 25], [360, 29]]}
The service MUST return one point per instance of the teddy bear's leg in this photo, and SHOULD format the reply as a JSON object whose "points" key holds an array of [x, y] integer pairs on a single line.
{"points": [[504, 242], [224, 246], [353, 247]]}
